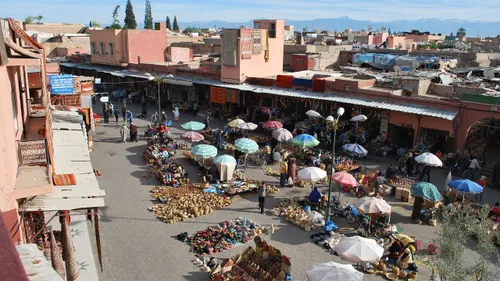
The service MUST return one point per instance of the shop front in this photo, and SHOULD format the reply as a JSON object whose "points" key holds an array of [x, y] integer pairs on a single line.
{"points": [[225, 102]]}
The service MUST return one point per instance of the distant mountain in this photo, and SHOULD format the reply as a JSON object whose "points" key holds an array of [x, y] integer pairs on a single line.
{"points": [[446, 26]]}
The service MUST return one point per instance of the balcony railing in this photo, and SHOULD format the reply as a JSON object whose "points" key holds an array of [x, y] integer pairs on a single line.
{"points": [[33, 152]]}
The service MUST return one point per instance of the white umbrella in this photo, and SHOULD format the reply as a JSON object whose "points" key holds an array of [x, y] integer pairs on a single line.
{"points": [[359, 118], [311, 174], [429, 159], [372, 205], [332, 271], [359, 249], [248, 126], [314, 114], [282, 134]]}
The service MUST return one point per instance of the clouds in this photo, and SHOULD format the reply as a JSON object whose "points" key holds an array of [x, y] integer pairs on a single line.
{"points": [[242, 10]]}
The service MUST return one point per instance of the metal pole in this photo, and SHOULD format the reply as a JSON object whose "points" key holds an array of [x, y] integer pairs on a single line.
{"points": [[159, 103], [332, 169]]}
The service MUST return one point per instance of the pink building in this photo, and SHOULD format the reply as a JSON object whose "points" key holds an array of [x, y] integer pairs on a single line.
{"points": [[424, 37], [256, 52], [120, 47], [380, 38], [399, 42], [24, 170]]}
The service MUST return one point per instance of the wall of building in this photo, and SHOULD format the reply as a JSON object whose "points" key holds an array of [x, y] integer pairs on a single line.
{"points": [[10, 78], [179, 54], [82, 44], [441, 90], [55, 28], [198, 48], [146, 46], [171, 39], [118, 38], [394, 42]]}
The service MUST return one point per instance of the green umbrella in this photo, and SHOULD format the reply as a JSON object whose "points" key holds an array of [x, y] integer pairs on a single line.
{"points": [[305, 140], [204, 150], [193, 126], [246, 145], [426, 190]]}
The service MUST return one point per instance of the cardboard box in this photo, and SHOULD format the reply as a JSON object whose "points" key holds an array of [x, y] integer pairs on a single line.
{"points": [[403, 194]]}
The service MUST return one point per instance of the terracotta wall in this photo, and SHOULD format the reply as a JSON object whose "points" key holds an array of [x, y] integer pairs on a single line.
{"points": [[179, 54], [146, 46], [115, 36]]}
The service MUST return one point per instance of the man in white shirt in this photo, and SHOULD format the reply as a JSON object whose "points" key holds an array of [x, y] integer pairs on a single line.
{"points": [[154, 119], [474, 164]]}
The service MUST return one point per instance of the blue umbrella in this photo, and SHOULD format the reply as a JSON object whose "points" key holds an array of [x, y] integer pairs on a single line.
{"points": [[246, 145], [466, 186], [225, 159], [355, 149], [305, 140]]}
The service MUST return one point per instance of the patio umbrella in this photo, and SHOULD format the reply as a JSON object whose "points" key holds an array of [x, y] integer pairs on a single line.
{"points": [[246, 145], [311, 174], [465, 186], [426, 190], [272, 125], [282, 134], [235, 122], [359, 118], [345, 179], [355, 150], [313, 114], [359, 249], [193, 136], [372, 205], [429, 159], [247, 126], [193, 126], [332, 271], [204, 150], [225, 159], [305, 140]]}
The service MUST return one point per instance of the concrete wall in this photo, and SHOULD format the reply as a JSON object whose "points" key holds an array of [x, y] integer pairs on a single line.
{"points": [[83, 44], [329, 55], [441, 90], [119, 39], [198, 48], [146, 46], [178, 54], [55, 28], [420, 86], [171, 39]]}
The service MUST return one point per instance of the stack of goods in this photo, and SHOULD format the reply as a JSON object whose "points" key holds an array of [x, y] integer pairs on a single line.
{"points": [[291, 210], [188, 203], [172, 174], [216, 239], [273, 173], [327, 240], [155, 152], [163, 193], [403, 187], [238, 175], [183, 146], [346, 165], [264, 263], [238, 187]]}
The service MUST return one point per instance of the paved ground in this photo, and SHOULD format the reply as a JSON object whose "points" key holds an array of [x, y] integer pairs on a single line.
{"points": [[137, 246]]}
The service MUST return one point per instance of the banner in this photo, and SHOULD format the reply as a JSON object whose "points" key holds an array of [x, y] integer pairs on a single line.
{"points": [[61, 84]]}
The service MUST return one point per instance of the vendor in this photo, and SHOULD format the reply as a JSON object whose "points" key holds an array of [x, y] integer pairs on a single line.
{"points": [[276, 155], [495, 210], [405, 260], [315, 196], [390, 173]]}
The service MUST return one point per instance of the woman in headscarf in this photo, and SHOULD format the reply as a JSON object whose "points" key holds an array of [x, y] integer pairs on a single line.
{"points": [[315, 196], [292, 170]]}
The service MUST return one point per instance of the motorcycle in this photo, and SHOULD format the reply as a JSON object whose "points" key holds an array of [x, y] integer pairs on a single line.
{"points": [[348, 212]]}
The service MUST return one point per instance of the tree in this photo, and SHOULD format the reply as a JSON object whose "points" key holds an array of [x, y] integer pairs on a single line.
{"points": [[176, 25], [459, 225], [191, 29], [94, 23], [116, 21], [38, 19], [28, 20], [130, 22], [169, 26], [148, 16], [461, 33]]}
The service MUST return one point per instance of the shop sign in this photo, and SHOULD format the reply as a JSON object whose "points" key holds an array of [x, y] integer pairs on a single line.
{"points": [[61, 84], [87, 87], [384, 124]]}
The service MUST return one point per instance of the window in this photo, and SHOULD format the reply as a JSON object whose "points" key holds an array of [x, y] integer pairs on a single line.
{"points": [[256, 25], [111, 51], [272, 30], [14, 110], [346, 87], [92, 48], [101, 48]]}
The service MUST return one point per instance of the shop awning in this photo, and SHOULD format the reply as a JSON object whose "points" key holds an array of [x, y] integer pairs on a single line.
{"points": [[71, 156], [177, 82]]}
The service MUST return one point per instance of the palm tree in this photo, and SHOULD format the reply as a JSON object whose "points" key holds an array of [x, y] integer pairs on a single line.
{"points": [[39, 19], [461, 33]]}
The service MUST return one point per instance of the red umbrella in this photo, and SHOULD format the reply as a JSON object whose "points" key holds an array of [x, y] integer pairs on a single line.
{"points": [[273, 125], [345, 179]]}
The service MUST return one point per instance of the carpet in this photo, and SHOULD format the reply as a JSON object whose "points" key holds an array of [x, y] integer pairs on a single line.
{"points": [[246, 43], [257, 42]]}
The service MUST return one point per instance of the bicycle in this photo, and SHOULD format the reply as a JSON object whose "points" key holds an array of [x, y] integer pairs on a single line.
{"points": [[263, 160]]}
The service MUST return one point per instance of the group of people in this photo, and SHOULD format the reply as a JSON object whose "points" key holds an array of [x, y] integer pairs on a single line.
{"points": [[288, 172]]}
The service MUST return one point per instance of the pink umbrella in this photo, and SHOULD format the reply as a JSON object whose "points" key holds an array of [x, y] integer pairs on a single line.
{"points": [[193, 136], [273, 125], [344, 179]]}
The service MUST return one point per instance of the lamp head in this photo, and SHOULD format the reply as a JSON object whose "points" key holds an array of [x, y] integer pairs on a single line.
{"points": [[340, 111], [330, 118]]}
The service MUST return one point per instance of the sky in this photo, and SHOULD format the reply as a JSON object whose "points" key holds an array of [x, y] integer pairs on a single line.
{"points": [[243, 10]]}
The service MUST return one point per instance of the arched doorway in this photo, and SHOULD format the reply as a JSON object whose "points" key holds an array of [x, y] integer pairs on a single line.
{"points": [[483, 140]]}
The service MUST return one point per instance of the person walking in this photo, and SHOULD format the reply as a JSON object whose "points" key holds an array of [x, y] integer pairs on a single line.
{"points": [[292, 171], [207, 122], [154, 119], [124, 112], [196, 108], [163, 117], [283, 173], [133, 132], [106, 114], [130, 116], [176, 113], [124, 131], [482, 182], [262, 196], [116, 115]]}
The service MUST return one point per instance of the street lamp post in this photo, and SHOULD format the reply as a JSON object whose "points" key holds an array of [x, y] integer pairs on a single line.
{"points": [[334, 122], [336, 125], [159, 81]]}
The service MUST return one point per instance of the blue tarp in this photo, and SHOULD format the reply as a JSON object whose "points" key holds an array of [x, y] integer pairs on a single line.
{"points": [[387, 61], [302, 82]]}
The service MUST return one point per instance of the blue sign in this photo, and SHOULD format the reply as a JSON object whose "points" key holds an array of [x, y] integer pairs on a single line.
{"points": [[61, 84]]}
